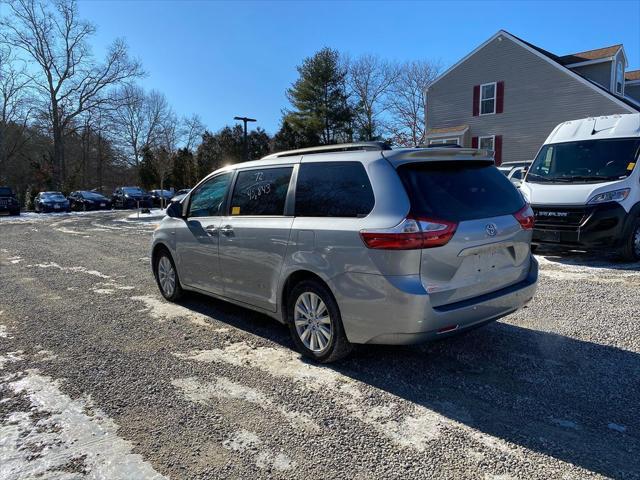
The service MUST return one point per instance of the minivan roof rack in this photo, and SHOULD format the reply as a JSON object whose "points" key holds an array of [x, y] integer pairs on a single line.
{"points": [[339, 147]]}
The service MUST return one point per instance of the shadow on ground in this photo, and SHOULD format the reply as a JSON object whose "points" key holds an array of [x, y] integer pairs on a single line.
{"points": [[572, 400]]}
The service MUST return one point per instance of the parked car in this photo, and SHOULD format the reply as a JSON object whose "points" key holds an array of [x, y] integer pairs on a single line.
{"points": [[131, 197], [584, 186], [180, 194], [355, 243], [51, 202], [160, 198], [9, 204], [515, 171], [86, 200]]}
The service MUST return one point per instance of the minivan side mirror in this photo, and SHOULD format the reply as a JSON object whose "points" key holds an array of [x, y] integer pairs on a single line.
{"points": [[174, 210]]}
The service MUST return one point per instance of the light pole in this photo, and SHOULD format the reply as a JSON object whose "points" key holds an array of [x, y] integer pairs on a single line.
{"points": [[245, 120]]}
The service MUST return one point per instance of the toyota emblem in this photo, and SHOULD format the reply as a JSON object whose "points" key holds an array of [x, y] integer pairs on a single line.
{"points": [[491, 229]]}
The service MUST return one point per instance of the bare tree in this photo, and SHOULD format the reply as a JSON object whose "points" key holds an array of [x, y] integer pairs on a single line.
{"points": [[68, 78], [15, 109], [370, 80], [140, 118], [406, 102], [192, 130], [170, 135]]}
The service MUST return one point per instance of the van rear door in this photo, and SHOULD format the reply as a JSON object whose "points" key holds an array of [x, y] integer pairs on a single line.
{"points": [[488, 222]]}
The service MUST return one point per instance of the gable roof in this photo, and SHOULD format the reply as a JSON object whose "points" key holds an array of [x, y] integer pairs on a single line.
{"points": [[597, 54], [553, 60], [632, 75]]}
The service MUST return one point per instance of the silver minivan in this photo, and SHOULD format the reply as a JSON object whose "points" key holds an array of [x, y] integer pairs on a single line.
{"points": [[355, 243]]}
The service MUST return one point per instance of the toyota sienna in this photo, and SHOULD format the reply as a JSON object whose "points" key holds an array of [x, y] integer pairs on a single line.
{"points": [[356, 243]]}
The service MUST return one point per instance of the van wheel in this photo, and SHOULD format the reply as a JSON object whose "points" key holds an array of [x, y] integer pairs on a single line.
{"points": [[630, 251], [167, 277], [315, 322]]}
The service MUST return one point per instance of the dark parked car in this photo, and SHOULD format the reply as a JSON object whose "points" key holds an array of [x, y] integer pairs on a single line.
{"points": [[85, 200], [160, 197], [180, 194], [51, 202], [131, 197], [9, 204]]}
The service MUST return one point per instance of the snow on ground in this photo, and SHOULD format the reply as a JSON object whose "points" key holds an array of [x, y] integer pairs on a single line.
{"points": [[414, 428], [154, 214], [53, 437]]}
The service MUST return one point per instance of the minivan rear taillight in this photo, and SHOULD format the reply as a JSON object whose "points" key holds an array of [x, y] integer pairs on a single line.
{"points": [[525, 217], [411, 234]]}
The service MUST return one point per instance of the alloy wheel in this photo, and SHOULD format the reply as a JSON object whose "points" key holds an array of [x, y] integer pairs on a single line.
{"points": [[313, 322], [166, 276]]}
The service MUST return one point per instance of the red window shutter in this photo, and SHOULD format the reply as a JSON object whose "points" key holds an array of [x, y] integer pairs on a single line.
{"points": [[474, 142], [500, 97], [476, 100], [498, 149]]}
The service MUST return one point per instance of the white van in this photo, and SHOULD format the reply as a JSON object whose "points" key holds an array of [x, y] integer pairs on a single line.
{"points": [[584, 186]]}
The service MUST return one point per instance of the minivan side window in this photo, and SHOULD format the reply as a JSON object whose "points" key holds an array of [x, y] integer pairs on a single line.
{"points": [[261, 191], [207, 200], [333, 189]]}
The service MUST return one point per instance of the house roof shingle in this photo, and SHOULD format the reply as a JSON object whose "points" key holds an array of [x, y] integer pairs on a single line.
{"points": [[632, 75], [595, 54]]}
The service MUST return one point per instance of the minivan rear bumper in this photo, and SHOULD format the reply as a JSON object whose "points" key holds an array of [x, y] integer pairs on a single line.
{"points": [[379, 309]]}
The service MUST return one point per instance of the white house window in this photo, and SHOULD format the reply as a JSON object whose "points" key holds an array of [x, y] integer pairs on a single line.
{"points": [[487, 143], [619, 78], [444, 141], [488, 98]]}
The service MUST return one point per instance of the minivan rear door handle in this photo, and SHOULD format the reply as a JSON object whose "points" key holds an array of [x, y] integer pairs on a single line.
{"points": [[227, 230], [211, 230]]}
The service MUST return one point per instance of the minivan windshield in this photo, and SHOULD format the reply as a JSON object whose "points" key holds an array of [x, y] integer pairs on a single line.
{"points": [[459, 191], [585, 161]]}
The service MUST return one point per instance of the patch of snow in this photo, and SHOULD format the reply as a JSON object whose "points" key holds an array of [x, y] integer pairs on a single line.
{"points": [[11, 357], [154, 214], [241, 441], [66, 433], [223, 388], [246, 441], [70, 231], [412, 427], [565, 423], [85, 270], [103, 291], [616, 427], [160, 309]]}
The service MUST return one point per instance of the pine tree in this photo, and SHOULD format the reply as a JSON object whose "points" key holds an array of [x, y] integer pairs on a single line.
{"points": [[319, 99]]}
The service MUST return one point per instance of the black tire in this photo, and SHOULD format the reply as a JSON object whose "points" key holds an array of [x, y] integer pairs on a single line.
{"points": [[630, 250], [338, 346], [177, 292], [534, 248]]}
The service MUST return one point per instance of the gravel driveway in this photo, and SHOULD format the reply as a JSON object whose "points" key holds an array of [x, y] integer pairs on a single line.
{"points": [[101, 378]]}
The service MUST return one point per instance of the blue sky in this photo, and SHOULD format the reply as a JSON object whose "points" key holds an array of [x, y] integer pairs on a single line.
{"points": [[221, 59]]}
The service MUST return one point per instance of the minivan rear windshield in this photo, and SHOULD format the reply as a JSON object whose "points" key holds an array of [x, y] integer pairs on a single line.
{"points": [[5, 192], [585, 161], [459, 191]]}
